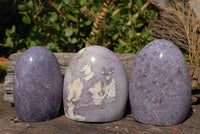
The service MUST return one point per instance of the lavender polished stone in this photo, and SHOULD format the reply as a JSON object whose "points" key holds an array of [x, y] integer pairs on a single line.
{"points": [[37, 85], [159, 88], [95, 86]]}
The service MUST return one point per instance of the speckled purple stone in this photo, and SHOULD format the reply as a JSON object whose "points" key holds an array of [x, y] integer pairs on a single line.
{"points": [[159, 88], [37, 85], [95, 86]]}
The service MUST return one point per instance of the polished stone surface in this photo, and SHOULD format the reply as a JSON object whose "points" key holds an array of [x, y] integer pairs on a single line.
{"points": [[159, 88], [95, 86], [37, 85]]}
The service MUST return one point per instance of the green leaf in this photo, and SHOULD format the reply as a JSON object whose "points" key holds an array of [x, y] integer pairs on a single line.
{"points": [[88, 23], [150, 38], [139, 3], [144, 35], [49, 45], [134, 20], [72, 4], [81, 25], [131, 34], [3, 67], [116, 18], [72, 18], [32, 44], [91, 2], [22, 50], [53, 46], [22, 7], [82, 34], [9, 41], [39, 42], [26, 19], [11, 31], [138, 25], [30, 4], [80, 45], [53, 17], [66, 1], [59, 6], [68, 32], [75, 29], [152, 15], [62, 39], [56, 26], [115, 37], [121, 42], [39, 9], [74, 40], [21, 41], [83, 3]]}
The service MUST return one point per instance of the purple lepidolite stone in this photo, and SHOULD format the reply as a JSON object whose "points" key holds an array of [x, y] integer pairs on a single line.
{"points": [[159, 88], [37, 85], [95, 86]]}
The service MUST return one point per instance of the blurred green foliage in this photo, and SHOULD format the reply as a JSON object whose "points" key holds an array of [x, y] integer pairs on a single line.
{"points": [[8, 17], [3, 67], [64, 26]]}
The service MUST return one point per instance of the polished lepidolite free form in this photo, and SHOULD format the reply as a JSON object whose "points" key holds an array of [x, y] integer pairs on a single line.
{"points": [[95, 86], [159, 88], [37, 85]]}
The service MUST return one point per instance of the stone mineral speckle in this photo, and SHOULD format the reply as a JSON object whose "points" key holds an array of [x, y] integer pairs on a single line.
{"points": [[75, 90], [159, 88], [95, 86], [37, 85], [87, 71]]}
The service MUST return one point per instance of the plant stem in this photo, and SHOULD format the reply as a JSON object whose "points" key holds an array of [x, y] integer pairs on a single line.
{"points": [[58, 10], [136, 15]]}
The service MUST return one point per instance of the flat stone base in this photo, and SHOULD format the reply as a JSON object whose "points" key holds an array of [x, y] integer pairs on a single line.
{"points": [[9, 123]]}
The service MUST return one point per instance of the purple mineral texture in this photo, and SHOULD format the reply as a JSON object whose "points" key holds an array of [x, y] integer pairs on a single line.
{"points": [[37, 85], [159, 88]]}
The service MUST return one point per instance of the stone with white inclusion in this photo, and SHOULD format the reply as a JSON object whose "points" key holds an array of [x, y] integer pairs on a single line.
{"points": [[95, 86]]}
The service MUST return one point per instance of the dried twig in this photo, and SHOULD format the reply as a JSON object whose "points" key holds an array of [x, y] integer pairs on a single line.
{"points": [[58, 10], [136, 15], [179, 24], [195, 5], [99, 22], [88, 13]]}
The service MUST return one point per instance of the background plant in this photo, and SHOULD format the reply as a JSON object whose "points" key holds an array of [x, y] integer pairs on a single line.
{"points": [[9, 16], [3, 67], [181, 25], [66, 25], [124, 28]]}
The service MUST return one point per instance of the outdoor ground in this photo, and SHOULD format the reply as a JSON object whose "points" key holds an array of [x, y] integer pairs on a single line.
{"points": [[9, 124]]}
